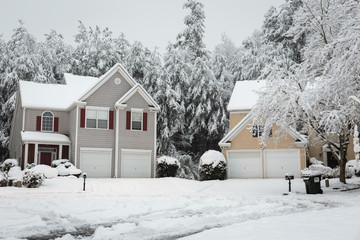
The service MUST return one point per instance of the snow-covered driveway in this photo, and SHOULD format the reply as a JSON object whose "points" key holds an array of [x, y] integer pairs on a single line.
{"points": [[175, 208]]}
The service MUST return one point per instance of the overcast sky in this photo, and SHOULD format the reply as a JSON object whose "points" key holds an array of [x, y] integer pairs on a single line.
{"points": [[155, 23]]}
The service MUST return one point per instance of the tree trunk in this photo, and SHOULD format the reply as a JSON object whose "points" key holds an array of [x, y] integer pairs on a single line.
{"points": [[343, 160]]}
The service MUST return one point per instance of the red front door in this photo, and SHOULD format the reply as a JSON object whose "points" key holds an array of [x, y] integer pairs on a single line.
{"points": [[46, 158]]}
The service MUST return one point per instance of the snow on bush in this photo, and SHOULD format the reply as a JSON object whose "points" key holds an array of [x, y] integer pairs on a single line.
{"points": [[15, 173], [32, 179], [9, 163], [166, 166], [212, 166], [46, 170], [188, 169], [353, 167], [326, 172], [65, 168]]}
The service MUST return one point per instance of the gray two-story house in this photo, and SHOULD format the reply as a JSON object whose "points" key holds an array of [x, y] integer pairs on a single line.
{"points": [[106, 126]]}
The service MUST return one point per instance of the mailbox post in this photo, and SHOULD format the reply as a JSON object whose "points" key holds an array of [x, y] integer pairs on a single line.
{"points": [[84, 176], [289, 177]]}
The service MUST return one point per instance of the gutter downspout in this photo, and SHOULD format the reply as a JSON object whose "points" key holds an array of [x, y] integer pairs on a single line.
{"points": [[117, 142]]}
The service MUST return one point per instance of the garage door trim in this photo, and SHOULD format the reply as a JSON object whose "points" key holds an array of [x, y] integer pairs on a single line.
{"points": [[247, 150], [298, 162], [87, 149]]}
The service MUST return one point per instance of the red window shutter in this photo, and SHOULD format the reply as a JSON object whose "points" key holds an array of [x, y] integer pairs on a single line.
{"points": [[128, 120], [144, 121], [38, 123], [111, 119], [56, 124], [82, 117]]}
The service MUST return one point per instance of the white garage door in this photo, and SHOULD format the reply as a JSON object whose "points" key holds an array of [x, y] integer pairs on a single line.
{"points": [[135, 164], [96, 163], [244, 164], [280, 162]]}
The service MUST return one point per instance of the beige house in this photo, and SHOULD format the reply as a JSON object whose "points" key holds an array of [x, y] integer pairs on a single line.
{"points": [[106, 126], [247, 158]]}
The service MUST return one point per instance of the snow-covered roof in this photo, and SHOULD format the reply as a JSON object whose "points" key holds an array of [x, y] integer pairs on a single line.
{"points": [[244, 95], [29, 136], [55, 96]]}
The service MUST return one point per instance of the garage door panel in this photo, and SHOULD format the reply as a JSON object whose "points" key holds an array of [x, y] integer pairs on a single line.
{"points": [[96, 164], [246, 164], [136, 164], [278, 163]]}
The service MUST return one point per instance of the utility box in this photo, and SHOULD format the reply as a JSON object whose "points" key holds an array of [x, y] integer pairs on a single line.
{"points": [[313, 183]]}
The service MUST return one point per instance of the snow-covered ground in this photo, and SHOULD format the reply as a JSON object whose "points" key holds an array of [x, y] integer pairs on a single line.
{"points": [[172, 208]]}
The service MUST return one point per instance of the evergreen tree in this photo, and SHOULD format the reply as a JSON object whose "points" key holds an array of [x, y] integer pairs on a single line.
{"points": [[191, 39], [136, 61]]}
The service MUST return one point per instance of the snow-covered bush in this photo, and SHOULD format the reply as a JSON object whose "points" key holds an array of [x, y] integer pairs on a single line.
{"points": [[166, 166], [188, 169], [328, 172], [46, 170], [32, 179], [212, 166], [352, 166], [9, 163], [66, 168], [3, 180]]}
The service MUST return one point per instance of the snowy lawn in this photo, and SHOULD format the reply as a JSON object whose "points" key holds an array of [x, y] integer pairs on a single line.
{"points": [[173, 208]]}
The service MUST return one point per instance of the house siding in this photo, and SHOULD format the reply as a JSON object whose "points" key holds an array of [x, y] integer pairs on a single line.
{"points": [[245, 141], [16, 145], [129, 139], [109, 93], [31, 114]]}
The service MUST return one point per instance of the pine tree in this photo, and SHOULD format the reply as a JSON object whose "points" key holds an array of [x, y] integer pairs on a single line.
{"points": [[191, 39]]}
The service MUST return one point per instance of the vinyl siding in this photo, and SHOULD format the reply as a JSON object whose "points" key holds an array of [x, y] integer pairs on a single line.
{"points": [[31, 114], [129, 139], [72, 134]]}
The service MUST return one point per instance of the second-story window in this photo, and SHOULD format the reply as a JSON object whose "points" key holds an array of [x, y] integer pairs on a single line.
{"points": [[136, 120], [258, 130], [47, 124], [96, 118]]}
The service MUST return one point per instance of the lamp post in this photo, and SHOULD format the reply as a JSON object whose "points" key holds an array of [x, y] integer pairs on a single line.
{"points": [[84, 176]]}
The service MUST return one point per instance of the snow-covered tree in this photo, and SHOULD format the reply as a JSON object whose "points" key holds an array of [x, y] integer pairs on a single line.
{"points": [[317, 93], [136, 61], [59, 54], [192, 38], [95, 52], [206, 117]]}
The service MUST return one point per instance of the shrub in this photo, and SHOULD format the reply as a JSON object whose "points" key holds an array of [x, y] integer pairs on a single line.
{"points": [[188, 169], [166, 166], [3, 180], [32, 179], [9, 163], [66, 168], [212, 166]]}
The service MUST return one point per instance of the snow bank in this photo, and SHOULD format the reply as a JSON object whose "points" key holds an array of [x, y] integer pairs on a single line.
{"points": [[48, 171], [168, 160], [212, 157], [15, 173], [65, 167]]}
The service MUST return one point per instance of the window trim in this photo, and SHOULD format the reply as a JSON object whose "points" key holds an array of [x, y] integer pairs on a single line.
{"points": [[137, 110], [42, 121], [258, 127], [107, 109]]}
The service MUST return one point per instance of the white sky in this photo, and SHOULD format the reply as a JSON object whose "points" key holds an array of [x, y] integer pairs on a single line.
{"points": [[155, 23]]}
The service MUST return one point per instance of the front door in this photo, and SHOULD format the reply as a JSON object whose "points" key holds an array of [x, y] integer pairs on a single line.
{"points": [[46, 158], [331, 160]]}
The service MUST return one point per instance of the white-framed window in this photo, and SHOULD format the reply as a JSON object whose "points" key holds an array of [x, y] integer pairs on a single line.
{"points": [[136, 119], [258, 130], [97, 118], [47, 122]]}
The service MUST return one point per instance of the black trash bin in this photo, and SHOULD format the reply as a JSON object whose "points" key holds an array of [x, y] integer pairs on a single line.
{"points": [[313, 183]]}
